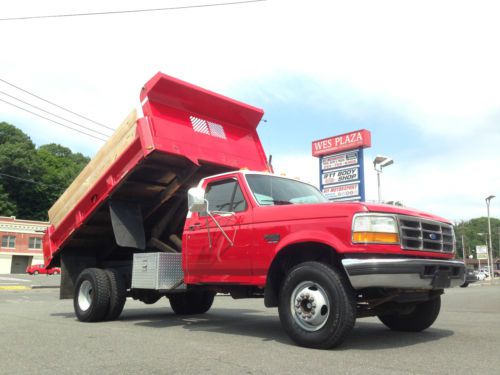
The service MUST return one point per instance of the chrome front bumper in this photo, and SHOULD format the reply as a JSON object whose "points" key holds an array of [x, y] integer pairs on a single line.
{"points": [[404, 273]]}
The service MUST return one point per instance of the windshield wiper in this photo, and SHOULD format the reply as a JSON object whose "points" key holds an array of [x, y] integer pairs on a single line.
{"points": [[276, 201]]}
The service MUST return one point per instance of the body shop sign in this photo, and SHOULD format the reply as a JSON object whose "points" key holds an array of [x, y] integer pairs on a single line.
{"points": [[341, 175], [341, 165], [343, 142]]}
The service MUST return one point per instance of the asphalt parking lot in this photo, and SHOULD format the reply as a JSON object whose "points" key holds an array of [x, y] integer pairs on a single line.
{"points": [[40, 334]]}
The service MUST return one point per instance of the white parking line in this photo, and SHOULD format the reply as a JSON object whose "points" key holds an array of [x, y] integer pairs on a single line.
{"points": [[14, 279]]}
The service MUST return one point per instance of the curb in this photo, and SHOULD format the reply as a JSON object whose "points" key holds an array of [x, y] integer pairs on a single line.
{"points": [[44, 286]]}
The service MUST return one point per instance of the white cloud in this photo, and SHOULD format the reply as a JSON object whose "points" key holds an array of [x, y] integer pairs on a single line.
{"points": [[302, 167]]}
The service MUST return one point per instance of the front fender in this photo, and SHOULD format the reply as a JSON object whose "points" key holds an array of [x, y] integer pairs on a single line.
{"points": [[317, 236], [328, 244]]}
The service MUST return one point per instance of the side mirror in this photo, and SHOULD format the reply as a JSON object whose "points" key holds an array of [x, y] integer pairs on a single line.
{"points": [[196, 200]]}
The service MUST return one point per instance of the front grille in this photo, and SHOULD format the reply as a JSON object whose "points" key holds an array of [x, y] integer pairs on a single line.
{"points": [[425, 235]]}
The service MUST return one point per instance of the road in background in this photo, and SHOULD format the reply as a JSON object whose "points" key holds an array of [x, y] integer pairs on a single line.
{"points": [[25, 281], [40, 335]]}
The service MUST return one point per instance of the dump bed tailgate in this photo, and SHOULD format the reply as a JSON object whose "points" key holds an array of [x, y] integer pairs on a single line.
{"points": [[186, 133]]}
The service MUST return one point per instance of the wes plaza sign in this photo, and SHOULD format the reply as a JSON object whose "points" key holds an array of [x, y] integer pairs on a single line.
{"points": [[341, 165]]}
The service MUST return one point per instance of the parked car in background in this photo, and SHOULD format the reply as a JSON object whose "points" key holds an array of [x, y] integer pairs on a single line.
{"points": [[40, 269], [482, 275]]}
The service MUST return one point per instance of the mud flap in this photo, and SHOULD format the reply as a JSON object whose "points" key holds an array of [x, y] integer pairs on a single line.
{"points": [[128, 227], [71, 266]]}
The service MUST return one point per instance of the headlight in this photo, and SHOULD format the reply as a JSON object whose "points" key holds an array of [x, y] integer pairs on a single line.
{"points": [[374, 229]]}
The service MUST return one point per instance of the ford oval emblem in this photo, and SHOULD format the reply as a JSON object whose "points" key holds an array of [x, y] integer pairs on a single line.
{"points": [[433, 236]]}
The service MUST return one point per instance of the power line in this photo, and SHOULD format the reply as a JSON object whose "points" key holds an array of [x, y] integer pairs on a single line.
{"points": [[53, 114], [31, 181], [46, 118], [54, 104], [130, 11]]}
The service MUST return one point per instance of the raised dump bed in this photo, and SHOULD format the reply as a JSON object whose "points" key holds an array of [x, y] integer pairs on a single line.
{"points": [[132, 196]]}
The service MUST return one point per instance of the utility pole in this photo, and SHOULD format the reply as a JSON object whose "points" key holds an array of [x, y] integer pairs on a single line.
{"points": [[492, 271], [463, 248]]}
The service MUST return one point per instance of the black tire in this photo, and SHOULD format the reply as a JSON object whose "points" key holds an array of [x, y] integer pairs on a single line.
{"points": [[195, 302], [464, 285], [421, 317], [92, 293], [333, 321], [118, 294]]}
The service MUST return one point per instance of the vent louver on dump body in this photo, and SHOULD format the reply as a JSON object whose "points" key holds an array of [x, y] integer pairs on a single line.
{"points": [[207, 127], [426, 235]]}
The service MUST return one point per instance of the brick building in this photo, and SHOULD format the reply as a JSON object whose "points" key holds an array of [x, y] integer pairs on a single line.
{"points": [[21, 244]]}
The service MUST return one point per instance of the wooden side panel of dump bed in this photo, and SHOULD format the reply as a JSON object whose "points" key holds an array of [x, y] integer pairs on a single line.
{"points": [[186, 133], [109, 152]]}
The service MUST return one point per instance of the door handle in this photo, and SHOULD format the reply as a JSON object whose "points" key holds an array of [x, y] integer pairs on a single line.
{"points": [[194, 226]]}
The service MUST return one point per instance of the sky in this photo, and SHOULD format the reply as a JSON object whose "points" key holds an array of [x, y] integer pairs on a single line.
{"points": [[422, 76]]}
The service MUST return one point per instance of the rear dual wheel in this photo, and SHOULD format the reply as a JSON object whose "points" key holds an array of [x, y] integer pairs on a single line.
{"points": [[99, 295]]}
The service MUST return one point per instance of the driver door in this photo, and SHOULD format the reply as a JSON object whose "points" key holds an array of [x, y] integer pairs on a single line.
{"points": [[211, 258]]}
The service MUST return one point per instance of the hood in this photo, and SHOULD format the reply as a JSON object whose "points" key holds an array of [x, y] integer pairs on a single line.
{"points": [[336, 209], [374, 207]]}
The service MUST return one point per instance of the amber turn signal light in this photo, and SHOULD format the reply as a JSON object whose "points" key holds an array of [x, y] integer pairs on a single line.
{"points": [[375, 237]]}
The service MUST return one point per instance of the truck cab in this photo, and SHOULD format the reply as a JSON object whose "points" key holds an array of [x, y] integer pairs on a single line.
{"points": [[256, 229]]}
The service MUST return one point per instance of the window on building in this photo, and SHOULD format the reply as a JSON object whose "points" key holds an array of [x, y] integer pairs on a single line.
{"points": [[9, 241], [35, 243]]}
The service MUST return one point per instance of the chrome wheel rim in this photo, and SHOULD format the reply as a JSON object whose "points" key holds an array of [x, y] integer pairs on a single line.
{"points": [[85, 295], [310, 306]]}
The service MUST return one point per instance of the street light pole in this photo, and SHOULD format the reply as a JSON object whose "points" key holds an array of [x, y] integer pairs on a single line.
{"points": [[492, 271], [381, 162], [378, 185]]}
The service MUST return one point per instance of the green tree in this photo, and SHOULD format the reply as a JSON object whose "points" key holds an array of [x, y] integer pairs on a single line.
{"points": [[38, 176], [58, 167], [17, 158], [475, 232], [7, 207]]}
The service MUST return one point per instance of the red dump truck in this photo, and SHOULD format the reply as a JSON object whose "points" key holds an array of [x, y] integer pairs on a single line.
{"points": [[181, 204]]}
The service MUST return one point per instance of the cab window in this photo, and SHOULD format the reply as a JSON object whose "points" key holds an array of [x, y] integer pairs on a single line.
{"points": [[225, 195]]}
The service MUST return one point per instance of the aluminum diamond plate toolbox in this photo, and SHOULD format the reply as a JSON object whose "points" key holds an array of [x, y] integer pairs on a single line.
{"points": [[158, 271]]}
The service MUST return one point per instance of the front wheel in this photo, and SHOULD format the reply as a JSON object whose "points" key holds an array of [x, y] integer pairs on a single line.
{"points": [[195, 302], [317, 308], [421, 317]]}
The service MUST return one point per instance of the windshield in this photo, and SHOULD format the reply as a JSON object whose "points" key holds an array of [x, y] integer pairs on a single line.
{"points": [[272, 190]]}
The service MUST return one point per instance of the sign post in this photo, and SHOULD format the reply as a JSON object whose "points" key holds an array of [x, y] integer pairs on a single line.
{"points": [[341, 165]]}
